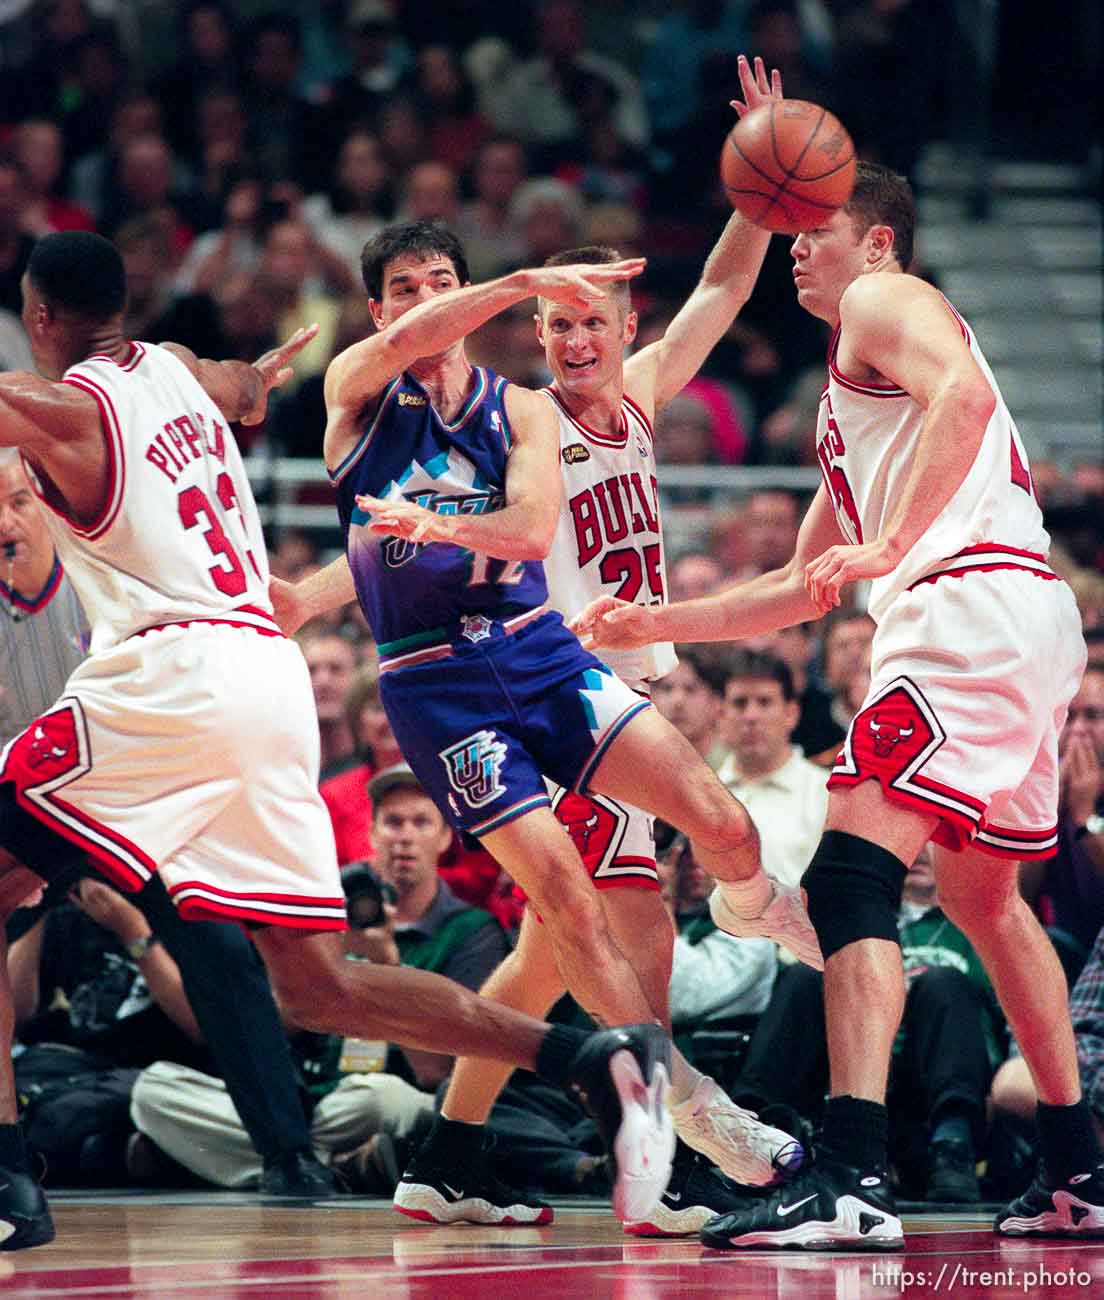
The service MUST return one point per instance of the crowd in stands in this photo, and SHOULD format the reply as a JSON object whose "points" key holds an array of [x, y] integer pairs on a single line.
{"points": [[240, 179]]}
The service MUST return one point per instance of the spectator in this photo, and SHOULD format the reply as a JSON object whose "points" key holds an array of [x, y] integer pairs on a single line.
{"points": [[445, 96], [235, 247], [684, 436], [207, 64], [950, 1042], [694, 574], [549, 214], [145, 186], [94, 178], [288, 133], [1070, 885], [344, 787], [189, 1116], [99, 70], [691, 695], [771, 519], [430, 191], [288, 273], [15, 242], [402, 135], [535, 100], [432, 929], [785, 794], [817, 733], [222, 153], [380, 62], [344, 217], [847, 635], [489, 233], [39, 147]]}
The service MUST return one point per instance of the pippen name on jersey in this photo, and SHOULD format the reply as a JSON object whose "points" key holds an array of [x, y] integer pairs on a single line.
{"points": [[183, 440], [606, 513]]}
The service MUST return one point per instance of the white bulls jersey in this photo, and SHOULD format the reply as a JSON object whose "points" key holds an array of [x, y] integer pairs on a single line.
{"points": [[867, 440], [179, 536], [608, 540]]}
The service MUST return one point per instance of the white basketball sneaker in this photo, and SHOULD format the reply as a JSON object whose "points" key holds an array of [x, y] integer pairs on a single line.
{"points": [[734, 1139], [784, 919]]}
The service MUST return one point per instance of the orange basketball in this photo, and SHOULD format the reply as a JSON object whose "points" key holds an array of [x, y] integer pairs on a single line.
{"points": [[788, 165]]}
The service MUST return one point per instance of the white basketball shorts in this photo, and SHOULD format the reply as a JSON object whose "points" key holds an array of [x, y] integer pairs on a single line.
{"points": [[971, 677], [191, 750]]}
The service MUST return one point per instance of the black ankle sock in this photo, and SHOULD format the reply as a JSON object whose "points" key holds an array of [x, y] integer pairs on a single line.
{"points": [[855, 1132], [1067, 1139], [459, 1141], [557, 1051], [13, 1150]]}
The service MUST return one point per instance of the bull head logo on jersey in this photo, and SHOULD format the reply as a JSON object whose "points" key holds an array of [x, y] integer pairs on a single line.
{"points": [[473, 767], [887, 734]]}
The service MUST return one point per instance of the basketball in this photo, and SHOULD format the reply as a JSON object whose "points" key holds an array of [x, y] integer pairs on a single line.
{"points": [[788, 165]]}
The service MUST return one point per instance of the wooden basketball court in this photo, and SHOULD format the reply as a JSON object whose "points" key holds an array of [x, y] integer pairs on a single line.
{"points": [[236, 1246]]}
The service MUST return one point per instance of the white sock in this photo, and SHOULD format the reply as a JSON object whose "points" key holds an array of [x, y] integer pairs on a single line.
{"points": [[684, 1079], [747, 898]]}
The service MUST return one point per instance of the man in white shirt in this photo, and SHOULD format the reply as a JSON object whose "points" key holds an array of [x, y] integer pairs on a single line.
{"points": [[786, 795]]}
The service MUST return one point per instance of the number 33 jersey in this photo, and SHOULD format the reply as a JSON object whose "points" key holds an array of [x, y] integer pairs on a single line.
{"points": [[178, 536], [608, 540], [409, 453], [868, 439]]}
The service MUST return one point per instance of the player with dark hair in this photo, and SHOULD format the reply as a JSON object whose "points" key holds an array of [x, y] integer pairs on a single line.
{"points": [[165, 753], [977, 654]]}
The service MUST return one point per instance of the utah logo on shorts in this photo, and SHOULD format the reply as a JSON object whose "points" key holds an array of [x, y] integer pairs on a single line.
{"points": [[473, 767]]}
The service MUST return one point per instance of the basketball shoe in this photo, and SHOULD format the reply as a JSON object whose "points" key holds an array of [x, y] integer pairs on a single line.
{"points": [[734, 1139], [784, 919], [827, 1206], [24, 1214], [1074, 1208], [696, 1193], [437, 1190]]}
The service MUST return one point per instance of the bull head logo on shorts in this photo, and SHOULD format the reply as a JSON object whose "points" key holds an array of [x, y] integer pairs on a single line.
{"points": [[887, 734], [581, 831]]}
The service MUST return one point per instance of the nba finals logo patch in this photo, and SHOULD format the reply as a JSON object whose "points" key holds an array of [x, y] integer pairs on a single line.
{"points": [[575, 454], [411, 399], [473, 767]]}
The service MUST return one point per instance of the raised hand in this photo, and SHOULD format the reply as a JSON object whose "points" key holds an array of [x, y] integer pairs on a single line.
{"points": [[753, 82], [582, 286], [613, 623], [275, 369], [407, 520]]}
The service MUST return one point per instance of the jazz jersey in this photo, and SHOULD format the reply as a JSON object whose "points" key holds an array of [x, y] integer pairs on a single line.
{"points": [[410, 592], [609, 540], [179, 536], [867, 440]]}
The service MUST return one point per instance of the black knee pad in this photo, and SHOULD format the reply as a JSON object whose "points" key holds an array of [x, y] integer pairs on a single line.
{"points": [[854, 891]]}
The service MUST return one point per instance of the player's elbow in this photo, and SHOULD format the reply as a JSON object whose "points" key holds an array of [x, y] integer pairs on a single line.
{"points": [[537, 543], [974, 401]]}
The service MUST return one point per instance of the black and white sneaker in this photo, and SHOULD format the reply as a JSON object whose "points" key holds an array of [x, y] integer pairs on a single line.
{"points": [[827, 1206], [1074, 1208], [621, 1076], [440, 1193], [24, 1214], [696, 1193]]}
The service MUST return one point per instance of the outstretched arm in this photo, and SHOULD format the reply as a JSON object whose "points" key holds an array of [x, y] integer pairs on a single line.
{"points": [[902, 328], [296, 603], [238, 389], [362, 371], [726, 283], [776, 599]]}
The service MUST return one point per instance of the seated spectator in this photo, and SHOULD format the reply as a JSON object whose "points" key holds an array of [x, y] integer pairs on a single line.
{"points": [[232, 249], [189, 1117], [950, 1042], [431, 928], [96, 998], [15, 241], [489, 233], [206, 62], [430, 191], [380, 61], [352, 210], [1068, 888], [222, 153], [40, 149], [786, 796], [445, 97], [694, 574], [549, 214], [846, 638], [94, 176], [145, 185], [692, 694], [817, 733], [771, 517], [684, 436]]}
